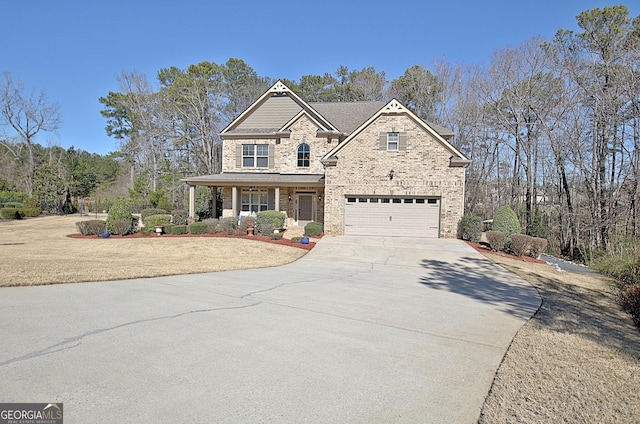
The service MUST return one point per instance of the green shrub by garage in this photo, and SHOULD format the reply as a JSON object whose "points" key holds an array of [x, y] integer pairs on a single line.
{"points": [[471, 227], [313, 229], [507, 222]]}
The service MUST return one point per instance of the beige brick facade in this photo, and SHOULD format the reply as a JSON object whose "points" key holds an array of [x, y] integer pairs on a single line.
{"points": [[303, 130], [345, 147], [423, 169]]}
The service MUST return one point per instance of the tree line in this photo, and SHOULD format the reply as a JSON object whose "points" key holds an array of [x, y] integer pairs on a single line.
{"points": [[552, 126]]}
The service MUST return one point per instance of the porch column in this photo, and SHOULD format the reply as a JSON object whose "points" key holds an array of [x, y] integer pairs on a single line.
{"points": [[234, 201], [277, 198], [192, 201]]}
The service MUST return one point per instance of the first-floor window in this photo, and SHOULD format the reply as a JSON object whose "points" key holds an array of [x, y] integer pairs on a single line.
{"points": [[255, 155], [254, 201]]}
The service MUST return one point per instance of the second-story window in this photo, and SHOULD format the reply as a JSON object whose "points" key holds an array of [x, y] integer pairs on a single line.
{"points": [[255, 155], [393, 139], [304, 153]]}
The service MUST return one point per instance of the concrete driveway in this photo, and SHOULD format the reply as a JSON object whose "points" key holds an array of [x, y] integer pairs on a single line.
{"points": [[360, 330]]}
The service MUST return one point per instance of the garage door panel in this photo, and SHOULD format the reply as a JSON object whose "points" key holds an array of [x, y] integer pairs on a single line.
{"points": [[392, 216]]}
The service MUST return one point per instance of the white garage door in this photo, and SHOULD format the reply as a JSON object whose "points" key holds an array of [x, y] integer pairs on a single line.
{"points": [[392, 216]]}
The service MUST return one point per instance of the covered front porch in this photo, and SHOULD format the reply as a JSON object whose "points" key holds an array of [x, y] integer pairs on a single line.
{"points": [[300, 197]]}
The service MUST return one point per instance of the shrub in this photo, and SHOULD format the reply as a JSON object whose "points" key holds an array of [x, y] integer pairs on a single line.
{"points": [[538, 246], [507, 222], [146, 231], [179, 217], [296, 239], [470, 227], [198, 228], [31, 202], [629, 298], [177, 229], [122, 227], [157, 220], [520, 244], [213, 225], [119, 211], [10, 213], [30, 212], [276, 236], [228, 225], [496, 240], [93, 227], [151, 211], [266, 221], [313, 229]]}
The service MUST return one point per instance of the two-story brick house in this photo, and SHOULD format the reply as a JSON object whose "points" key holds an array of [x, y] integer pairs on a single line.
{"points": [[357, 167]]}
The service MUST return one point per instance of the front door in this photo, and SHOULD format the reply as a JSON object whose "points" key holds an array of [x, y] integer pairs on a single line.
{"points": [[305, 208]]}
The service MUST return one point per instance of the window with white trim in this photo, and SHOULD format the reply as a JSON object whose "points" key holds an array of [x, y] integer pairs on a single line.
{"points": [[304, 153], [255, 155], [393, 140], [254, 201]]}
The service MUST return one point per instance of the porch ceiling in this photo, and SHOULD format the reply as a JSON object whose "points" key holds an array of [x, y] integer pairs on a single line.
{"points": [[243, 179]]}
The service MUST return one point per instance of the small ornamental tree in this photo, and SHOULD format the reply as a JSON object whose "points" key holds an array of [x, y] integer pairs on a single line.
{"points": [[507, 222]]}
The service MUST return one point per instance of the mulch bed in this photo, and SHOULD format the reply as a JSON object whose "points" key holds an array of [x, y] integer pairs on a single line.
{"points": [[283, 241], [485, 249]]}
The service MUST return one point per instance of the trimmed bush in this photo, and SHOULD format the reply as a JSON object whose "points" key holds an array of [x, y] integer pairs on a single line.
{"points": [[313, 229], [179, 217], [520, 244], [296, 239], [496, 240], [10, 213], [30, 212], [144, 213], [538, 246], [156, 220], [629, 298], [470, 227], [198, 228], [177, 229], [119, 211], [122, 228], [266, 221], [506, 221], [93, 227], [276, 236]]}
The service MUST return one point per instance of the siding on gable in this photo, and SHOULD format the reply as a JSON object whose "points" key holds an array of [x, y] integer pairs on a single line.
{"points": [[273, 113]]}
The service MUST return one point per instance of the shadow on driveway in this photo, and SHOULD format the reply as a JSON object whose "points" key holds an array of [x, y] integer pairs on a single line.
{"points": [[481, 280]]}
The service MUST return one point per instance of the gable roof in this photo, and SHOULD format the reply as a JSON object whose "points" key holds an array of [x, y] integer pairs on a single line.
{"points": [[347, 116], [395, 107], [279, 107], [272, 111]]}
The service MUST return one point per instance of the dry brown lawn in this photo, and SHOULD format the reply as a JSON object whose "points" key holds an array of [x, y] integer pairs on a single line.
{"points": [[38, 251], [576, 361]]}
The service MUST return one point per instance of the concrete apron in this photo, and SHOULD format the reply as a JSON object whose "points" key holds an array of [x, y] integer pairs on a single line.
{"points": [[362, 329]]}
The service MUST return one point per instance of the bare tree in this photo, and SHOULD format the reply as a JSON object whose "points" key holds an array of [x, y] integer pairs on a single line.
{"points": [[27, 115]]}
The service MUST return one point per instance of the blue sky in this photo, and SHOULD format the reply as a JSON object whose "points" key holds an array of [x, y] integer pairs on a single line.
{"points": [[75, 48]]}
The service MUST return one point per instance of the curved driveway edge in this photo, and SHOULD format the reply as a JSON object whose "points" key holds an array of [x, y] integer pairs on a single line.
{"points": [[360, 330]]}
